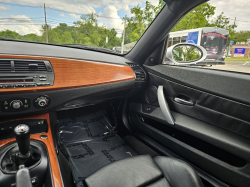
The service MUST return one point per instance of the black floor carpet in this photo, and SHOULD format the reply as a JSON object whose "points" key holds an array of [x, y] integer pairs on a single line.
{"points": [[81, 141]]}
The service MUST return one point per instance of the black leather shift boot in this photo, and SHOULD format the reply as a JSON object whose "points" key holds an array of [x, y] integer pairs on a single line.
{"points": [[13, 158]]}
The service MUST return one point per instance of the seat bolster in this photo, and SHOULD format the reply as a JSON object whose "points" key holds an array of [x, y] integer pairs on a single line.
{"points": [[160, 183], [178, 173], [130, 172]]}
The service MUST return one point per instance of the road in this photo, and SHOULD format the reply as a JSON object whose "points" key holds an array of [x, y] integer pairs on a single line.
{"points": [[238, 66]]}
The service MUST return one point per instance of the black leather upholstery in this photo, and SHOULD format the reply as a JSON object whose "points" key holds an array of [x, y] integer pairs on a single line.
{"points": [[177, 172], [130, 172], [144, 171]]}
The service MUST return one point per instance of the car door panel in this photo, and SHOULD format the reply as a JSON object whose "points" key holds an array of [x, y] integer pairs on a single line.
{"points": [[214, 133], [212, 109]]}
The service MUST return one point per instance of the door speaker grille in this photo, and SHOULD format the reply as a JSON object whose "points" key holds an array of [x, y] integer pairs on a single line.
{"points": [[151, 95]]}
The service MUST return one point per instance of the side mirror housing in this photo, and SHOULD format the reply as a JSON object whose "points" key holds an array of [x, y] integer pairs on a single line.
{"points": [[186, 54]]}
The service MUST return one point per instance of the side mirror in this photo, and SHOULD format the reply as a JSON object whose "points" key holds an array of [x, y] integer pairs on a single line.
{"points": [[186, 54]]}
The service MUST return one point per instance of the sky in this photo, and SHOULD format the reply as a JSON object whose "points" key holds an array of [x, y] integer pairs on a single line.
{"points": [[27, 16]]}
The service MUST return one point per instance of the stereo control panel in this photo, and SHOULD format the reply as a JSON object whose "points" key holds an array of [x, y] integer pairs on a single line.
{"points": [[21, 81], [19, 73]]}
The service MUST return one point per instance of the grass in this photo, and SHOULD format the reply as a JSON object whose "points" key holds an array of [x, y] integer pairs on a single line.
{"points": [[237, 59]]}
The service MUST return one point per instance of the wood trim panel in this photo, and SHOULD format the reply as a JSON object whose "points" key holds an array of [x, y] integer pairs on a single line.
{"points": [[56, 177], [71, 73]]}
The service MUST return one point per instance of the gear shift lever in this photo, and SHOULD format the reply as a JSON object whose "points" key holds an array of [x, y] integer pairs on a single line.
{"points": [[22, 135]]}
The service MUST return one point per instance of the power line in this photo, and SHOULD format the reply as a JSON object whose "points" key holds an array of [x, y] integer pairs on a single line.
{"points": [[24, 18], [49, 20], [15, 4], [239, 20]]}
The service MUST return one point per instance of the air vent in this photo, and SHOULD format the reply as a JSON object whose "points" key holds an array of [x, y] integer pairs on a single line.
{"points": [[132, 64], [5, 66], [29, 66], [139, 73]]}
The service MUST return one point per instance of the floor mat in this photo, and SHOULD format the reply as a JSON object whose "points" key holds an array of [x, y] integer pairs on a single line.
{"points": [[84, 128], [81, 140]]}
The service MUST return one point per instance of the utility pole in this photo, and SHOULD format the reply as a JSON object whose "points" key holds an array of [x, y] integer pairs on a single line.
{"points": [[123, 34], [229, 48], [46, 27], [107, 41]]}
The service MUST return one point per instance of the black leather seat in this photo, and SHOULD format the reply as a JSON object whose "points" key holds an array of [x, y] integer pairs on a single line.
{"points": [[145, 171]]}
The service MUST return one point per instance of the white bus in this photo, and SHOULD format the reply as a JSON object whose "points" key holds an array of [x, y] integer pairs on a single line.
{"points": [[213, 39]]}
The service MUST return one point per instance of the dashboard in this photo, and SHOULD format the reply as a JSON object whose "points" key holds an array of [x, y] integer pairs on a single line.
{"points": [[40, 78]]}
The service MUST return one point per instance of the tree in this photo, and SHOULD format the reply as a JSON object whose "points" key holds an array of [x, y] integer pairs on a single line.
{"points": [[10, 34], [141, 19], [222, 21], [242, 36], [196, 18]]}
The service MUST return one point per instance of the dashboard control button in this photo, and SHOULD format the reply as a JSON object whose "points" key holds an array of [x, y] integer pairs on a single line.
{"points": [[16, 104], [30, 85], [42, 79], [39, 84], [1, 86], [42, 76], [6, 108], [35, 76], [43, 136], [42, 101], [19, 85], [40, 122], [9, 86]]}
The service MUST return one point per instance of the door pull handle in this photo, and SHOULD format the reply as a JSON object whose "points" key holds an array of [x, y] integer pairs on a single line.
{"points": [[164, 106]]}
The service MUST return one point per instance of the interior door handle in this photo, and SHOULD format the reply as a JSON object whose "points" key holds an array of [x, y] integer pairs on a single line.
{"points": [[184, 100], [164, 106]]}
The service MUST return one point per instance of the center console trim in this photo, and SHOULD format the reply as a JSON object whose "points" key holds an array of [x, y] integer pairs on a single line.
{"points": [[56, 174]]}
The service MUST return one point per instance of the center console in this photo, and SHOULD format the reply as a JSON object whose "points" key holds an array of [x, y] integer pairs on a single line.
{"points": [[27, 146]]}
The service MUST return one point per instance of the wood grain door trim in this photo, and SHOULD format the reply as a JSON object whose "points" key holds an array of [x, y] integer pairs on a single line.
{"points": [[72, 73], [56, 176]]}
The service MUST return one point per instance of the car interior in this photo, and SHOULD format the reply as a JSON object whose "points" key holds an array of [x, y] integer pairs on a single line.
{"points": [[72, 117]]}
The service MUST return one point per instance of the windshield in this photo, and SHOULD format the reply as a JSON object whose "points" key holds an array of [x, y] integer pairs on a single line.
{"points": [[111, 26]]}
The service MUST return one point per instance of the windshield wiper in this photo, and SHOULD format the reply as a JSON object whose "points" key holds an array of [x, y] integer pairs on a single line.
{"points": [[93, 48]]}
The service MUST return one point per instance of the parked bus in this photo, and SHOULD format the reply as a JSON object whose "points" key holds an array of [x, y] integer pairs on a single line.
{"points": [[213, 39]]}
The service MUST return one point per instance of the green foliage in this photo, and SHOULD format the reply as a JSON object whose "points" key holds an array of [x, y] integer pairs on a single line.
{"points": [[10, 34], [222, 21], [85, 31], [186, 53], [241, 36], [141, 19], [196, 18]]}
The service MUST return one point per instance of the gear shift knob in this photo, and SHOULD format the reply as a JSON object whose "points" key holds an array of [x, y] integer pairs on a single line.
{"points": [[22, 135]]}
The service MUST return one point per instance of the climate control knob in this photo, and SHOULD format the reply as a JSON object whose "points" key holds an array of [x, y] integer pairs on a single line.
{"points": [[42, 101]]}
